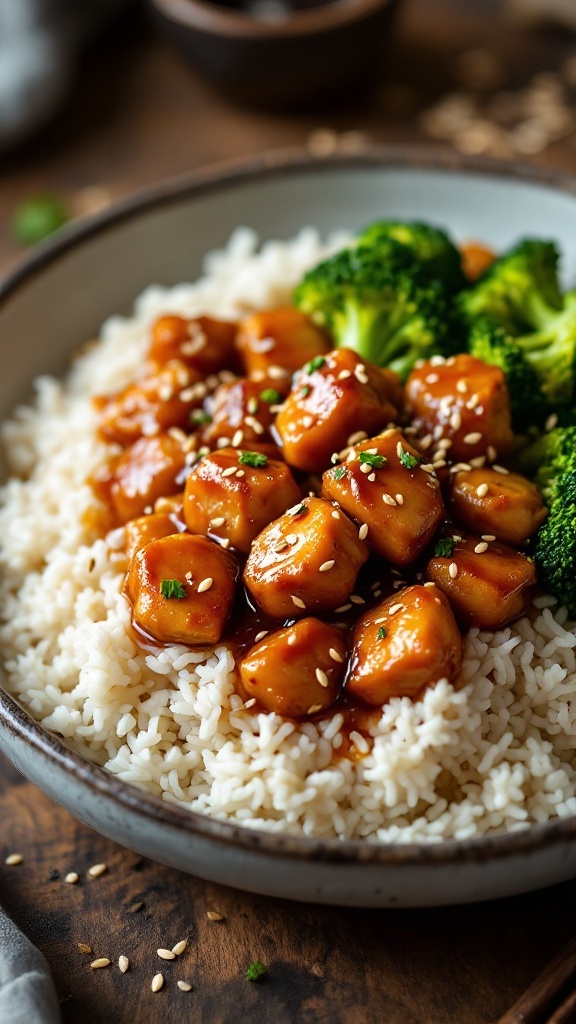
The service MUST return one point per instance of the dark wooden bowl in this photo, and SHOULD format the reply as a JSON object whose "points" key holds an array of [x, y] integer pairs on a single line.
{"points": [[310, 55]]}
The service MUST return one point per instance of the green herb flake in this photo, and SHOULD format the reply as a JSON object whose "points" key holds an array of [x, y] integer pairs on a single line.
{"points": [[255, 459], [199, 417], [339, 472], [374, 461], [35, 219], [408, 460], [256, 971], [271, 396], [314, 364], [172, 589], [305, 391], [382, 633], [444, 547]]}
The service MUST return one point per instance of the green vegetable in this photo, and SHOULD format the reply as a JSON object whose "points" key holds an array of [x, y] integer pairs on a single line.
{"points": [[255, 459], [35, 219], [436, 253], [494, 345], [271, 396], [339, 472], [382, 633], [315, 364], [172, 589], [305, 391], [378, 301], [200, 417], [375, 461], [256, 971], [408, 460], [444, 547]]}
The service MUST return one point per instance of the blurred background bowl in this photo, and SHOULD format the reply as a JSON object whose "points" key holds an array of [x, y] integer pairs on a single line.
{"points": [[281, 52]]}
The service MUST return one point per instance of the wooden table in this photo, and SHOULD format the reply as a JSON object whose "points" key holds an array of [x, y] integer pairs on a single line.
{"points": [[139, 115]]}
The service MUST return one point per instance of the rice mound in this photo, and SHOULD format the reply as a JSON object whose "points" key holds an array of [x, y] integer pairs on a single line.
{"points": [[496, 753]]}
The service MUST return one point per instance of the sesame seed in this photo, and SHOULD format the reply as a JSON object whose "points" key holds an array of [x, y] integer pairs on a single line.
{"points": [[180, 947], [432, 378], [399, 498], [230, 471], [84, 947], [350, 456], [360, 373], [277, 372], [297, 601], [453, 570], [102, 961], [445, 443], [224, 542], [356, 599], [488, 536], [123, 963], [395, 608], [291, 640], [295, 509], [474, 438], [165, 392], [240, 473], [313, 709], [491, 453], [205, 585], [363, 531], [429, 584], [157, 982], [427, 467], [196, 391], [455, 421], [343, 608], [359, 435], [439, 464], [97, 869], [280, 545], [335, 514], [378, 622], [322, 677], [365, 468], [72, 877], [482, 546], [461, 386], [222, 442], [256, 426], [500, 469], [472, 401], [291, 538], [219, 521], [335, 458], [335, 655], [252, 406], [184, 986], [425, 442], [13, 859], [478, 462], [260, 636], [307, 421], [326, 566], [238, 438], [344, 374], [250, 703], [399, 449], [437, 360], [460, 467], [213, 915], [166, 954], [388, 499], [482, 490], [551, 422]]}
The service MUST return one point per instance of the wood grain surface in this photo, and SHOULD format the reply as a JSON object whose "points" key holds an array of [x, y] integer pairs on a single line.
{"points": [[139, 114]]}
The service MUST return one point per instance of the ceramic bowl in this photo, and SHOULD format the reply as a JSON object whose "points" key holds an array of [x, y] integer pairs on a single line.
{"points": [[302, 54], [59, 297]]}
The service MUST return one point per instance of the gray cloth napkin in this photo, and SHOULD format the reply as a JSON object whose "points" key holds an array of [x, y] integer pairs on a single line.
{"points": [[27, 993], [39, 42]]}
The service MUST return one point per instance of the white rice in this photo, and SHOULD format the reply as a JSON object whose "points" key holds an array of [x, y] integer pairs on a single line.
{"points": [[497, 753]]}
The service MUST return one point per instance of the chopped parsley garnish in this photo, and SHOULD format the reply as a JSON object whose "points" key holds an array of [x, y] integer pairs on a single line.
{"points": [[374, 461], [36, 218], [314, 364], [255, 971], [172, 588], [408, 460], [271, 396], [254, 459], [305, 391], [339, 472], [200, 417], [444, 547], [382, 633]]}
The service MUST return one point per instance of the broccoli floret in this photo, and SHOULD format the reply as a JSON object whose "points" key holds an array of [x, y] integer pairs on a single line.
{"points": [[431, 246], [520, 290], [377, 302], [494, 345], [549, 458], [555, 544]]}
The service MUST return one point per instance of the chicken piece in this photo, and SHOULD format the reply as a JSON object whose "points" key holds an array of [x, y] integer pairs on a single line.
{"points": [[145, 471], [504, 505], [333, 400], [487, 583], [282, 337], [182, 589], [305, 561], [465, 401], [296, 671], [205, 344], [241, 418], [404, 644], [233, 495], [385, 487], [154, 404], [144, 529]]}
